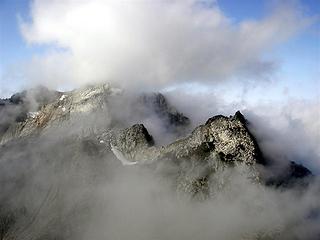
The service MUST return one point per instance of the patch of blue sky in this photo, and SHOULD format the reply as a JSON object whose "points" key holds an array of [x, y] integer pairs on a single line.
{"points": [[14, 50]]}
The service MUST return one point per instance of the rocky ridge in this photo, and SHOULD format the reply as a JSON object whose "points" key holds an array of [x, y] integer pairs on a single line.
{"points": [[65, 106], [79, 141], [227, 137], [220, 141]]}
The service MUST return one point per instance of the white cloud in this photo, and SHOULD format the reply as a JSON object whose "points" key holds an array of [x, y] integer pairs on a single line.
{"points": [[289, 130], [150, 42]]}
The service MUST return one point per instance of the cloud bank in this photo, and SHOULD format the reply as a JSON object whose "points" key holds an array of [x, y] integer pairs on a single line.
{"points": [[154, 43]]}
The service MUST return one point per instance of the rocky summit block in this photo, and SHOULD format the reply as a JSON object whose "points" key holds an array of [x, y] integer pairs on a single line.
{"points": [[220, 143], [226, 137]]}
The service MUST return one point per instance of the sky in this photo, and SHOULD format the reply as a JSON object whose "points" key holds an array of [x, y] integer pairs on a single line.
{"points": [[297, 58]]}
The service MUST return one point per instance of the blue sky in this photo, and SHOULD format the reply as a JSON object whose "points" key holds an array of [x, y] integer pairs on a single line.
{"points": [[299, 57]]}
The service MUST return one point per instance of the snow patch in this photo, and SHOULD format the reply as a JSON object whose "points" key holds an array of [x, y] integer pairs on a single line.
{"points": [[33, 114], [62, 97], [119, 155]]}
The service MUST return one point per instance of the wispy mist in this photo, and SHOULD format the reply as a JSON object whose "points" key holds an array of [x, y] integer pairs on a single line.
{"points": [[59, 189]]}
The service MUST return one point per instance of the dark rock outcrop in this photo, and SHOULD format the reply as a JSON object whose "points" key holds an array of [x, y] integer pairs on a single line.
{"points": [[172, 119], [292, 174], [134, 138]]}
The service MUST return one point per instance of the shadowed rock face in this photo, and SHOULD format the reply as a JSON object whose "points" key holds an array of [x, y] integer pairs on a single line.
{"points": [[292, 174], [172, 119]]}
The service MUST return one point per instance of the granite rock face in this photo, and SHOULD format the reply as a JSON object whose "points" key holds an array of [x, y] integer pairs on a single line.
{"points": [[220, 143], [226, 137], [133, 139]]}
